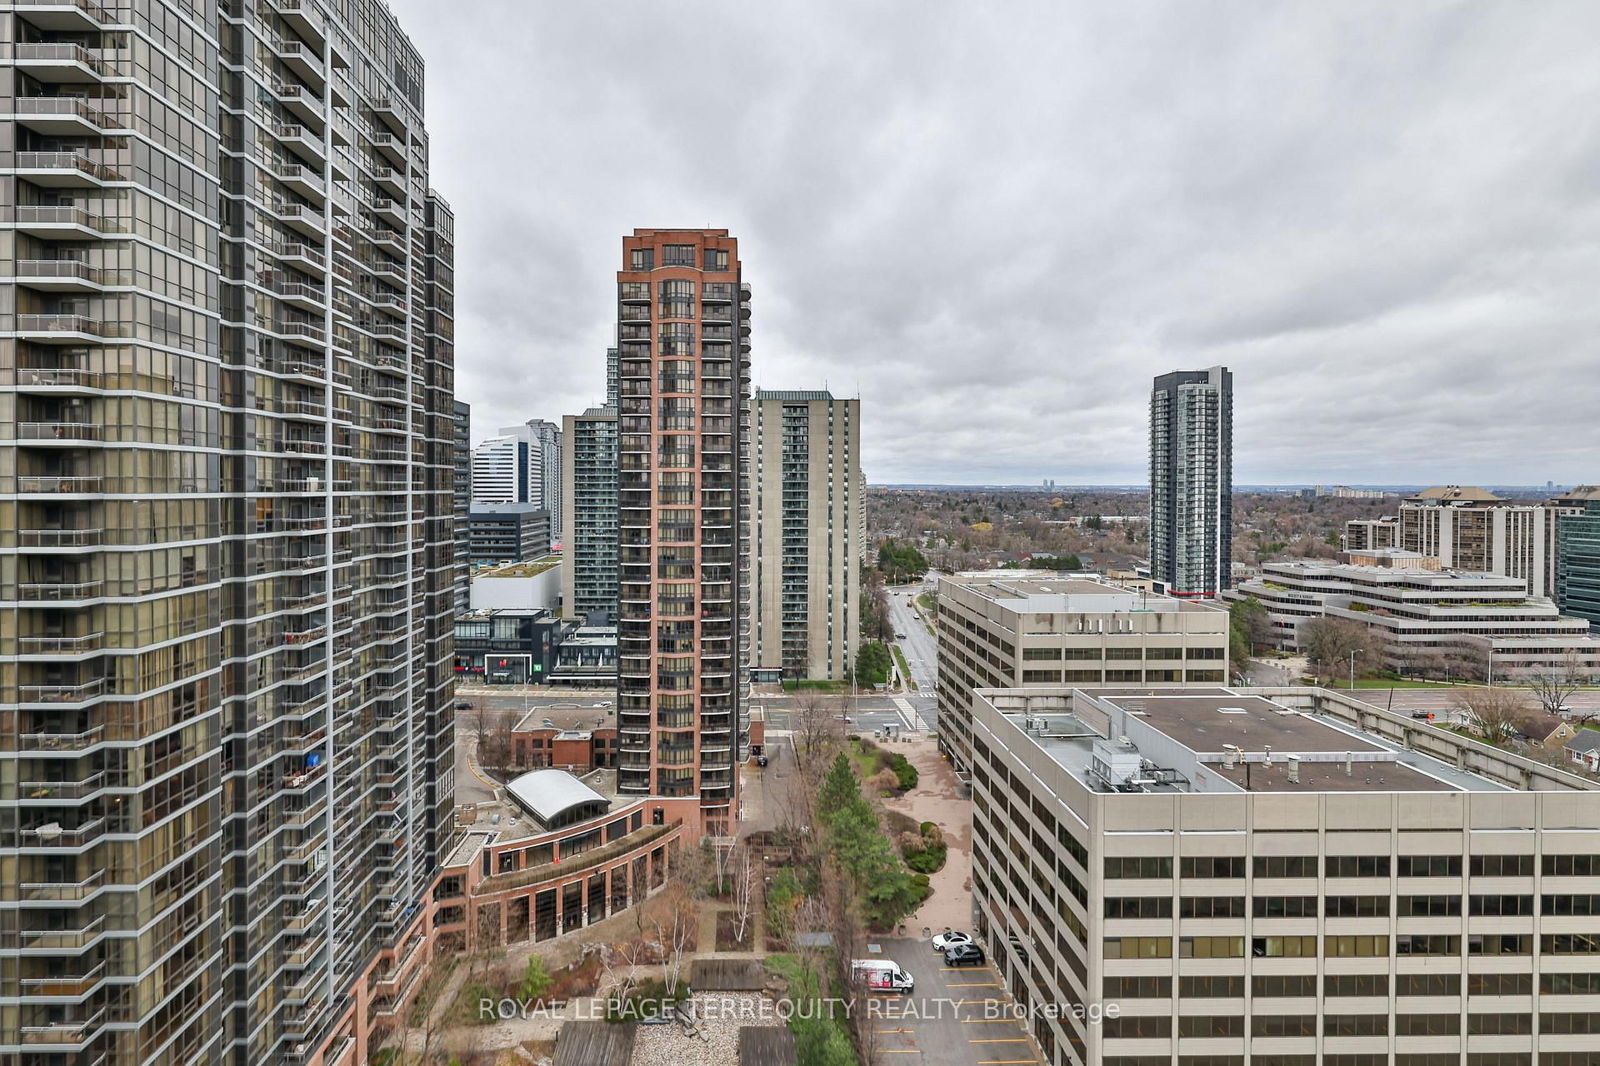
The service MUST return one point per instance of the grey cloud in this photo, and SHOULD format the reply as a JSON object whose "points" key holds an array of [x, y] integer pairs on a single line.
{"points": [[998, 221]]}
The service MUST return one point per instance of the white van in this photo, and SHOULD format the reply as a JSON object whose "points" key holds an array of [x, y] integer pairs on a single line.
{"points": [[881, 975]]}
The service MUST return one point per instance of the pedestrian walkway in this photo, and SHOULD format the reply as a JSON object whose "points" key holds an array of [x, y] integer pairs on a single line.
{"points": [[555, 693], [913, 719]]}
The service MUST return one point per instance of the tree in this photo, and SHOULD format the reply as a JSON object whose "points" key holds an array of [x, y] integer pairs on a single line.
{"points": [[1495, 714], [900, 562], [1330, 642], [744, 879], [1554, 686], [873, 664], [1249, 628], [536, 980]]}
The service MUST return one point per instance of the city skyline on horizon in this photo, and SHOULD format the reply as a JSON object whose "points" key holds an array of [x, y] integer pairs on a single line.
{"points": [[1395, 282]]}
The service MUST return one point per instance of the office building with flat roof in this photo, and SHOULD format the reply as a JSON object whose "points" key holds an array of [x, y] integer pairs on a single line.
{"points": [[1578, 555], [1426, 617], [1292, 877], [808, 517], [507, 533], [1010, 628], [1471, 529], [1191, 481]]}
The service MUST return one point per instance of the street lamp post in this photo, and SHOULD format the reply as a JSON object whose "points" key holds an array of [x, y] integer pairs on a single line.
{"points": [[1353, 655]]}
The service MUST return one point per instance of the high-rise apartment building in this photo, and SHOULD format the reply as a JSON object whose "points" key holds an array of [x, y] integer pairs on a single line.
{"points": [[503, 469], [589, 494], [808, 519], [1578, 569], [1468, 528], [545, 487], [683, 377], [461, 454], [1370, 534], [1191, 481], [1215, 878], [612, 359], [226, 583]]}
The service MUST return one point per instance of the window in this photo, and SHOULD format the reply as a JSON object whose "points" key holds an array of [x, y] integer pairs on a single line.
{"points": [[1499, 944], [1357, 906], [1163, 654], [715, 259], [1138, 906], [1030, 677], [1286, 865], [1041, 654], [1211, 986], [1211, 907], [1211, 866], [677, 255], [1211, 947], [1571, 865], [1428, 1058], [1501, 866], [1203, 1060], [1124, 654], [1355, 1025], [1081, 654], [1355, 984], [1499, 984], [1499, 1024], [1283, 1025], [1285, 906], [1525, 1058], [1569, 984], [1358, 947], [1136, 988], [1138, 866], [1284, 986], [1570, 944], [1284, 947], [1357, 866], [1569, 1023], [1137, 1026], [641, 259], [1283, 1060], [1585, 906], [1427, 1025], [1430, 866], [1429, 906], [1216, 1025], [1369, 1059], [1427, 984], [1419, 944], [1138, 947]]}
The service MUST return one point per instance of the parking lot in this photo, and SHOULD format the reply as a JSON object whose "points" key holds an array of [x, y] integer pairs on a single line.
{"points": [[959, 1016]]}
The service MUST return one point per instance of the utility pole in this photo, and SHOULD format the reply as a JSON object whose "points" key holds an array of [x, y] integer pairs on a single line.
{"points": [[1353, 655]]}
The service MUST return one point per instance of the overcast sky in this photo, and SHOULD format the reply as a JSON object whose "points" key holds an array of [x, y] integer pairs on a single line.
{"points": [[996, 222]]}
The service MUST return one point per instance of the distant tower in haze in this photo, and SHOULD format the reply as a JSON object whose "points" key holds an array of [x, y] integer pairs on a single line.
{"points": [[1191, 481]]}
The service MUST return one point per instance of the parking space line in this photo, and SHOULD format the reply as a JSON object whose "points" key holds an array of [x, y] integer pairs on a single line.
{"points": [[972, 984], [990, 1021], [998, 1040], [1008, 1062]]}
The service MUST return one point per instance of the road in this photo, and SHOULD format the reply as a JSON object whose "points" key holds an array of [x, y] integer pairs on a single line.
{"points": [[921, 650], [955, 1017], [1447, 698]]}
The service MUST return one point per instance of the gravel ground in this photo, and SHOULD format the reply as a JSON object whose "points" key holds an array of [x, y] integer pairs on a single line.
{"points": [[722, 1016]]}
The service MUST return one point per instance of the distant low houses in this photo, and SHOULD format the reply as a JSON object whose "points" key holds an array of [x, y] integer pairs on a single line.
{"points": [[1584, 749]]}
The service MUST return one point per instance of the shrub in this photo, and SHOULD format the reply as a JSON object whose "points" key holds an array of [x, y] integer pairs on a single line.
{"points": [[536, 980], [904, 771], [643, 1000]]}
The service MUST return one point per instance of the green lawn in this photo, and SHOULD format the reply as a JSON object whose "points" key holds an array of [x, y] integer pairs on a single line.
{"points": [[801, 685], [928, 602], [1378, 682], [905, 670]]}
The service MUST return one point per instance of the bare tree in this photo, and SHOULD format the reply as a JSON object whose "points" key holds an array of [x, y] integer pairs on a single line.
{"points": [[1495, 714], [1554, 686], [817, 731], [1329, 644], [744, 880]]}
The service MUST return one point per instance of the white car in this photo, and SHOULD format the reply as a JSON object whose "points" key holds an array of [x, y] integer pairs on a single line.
{"points": [[950, 940]]}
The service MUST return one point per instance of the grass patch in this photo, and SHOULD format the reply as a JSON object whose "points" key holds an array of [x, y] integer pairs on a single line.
{"points": [[820, 1035], [905, 668], [928, 602], [805, 685]]}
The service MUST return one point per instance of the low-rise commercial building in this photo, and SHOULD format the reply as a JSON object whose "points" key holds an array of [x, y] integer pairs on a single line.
{"points": [[507, 647], [1006, 628], [1425, 615], [588, 657], [1295, 878], [533, 585], [507, 533]]}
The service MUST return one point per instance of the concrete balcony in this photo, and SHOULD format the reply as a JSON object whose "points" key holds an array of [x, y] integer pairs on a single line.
{"points": [[62, 891], [60, 791], [59, 275], [62, 329], [60, 591], [303, 218], [301, 141], [65, 170], [56, 485], [390, 180], [390, 146], [55, 835], [302, 103], [63, 1035], [67, 986], [62, 116], [65, 695], [67, 647], [303, 180], [304, 17], [303, 59], [66, 223], [56, 62]]}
